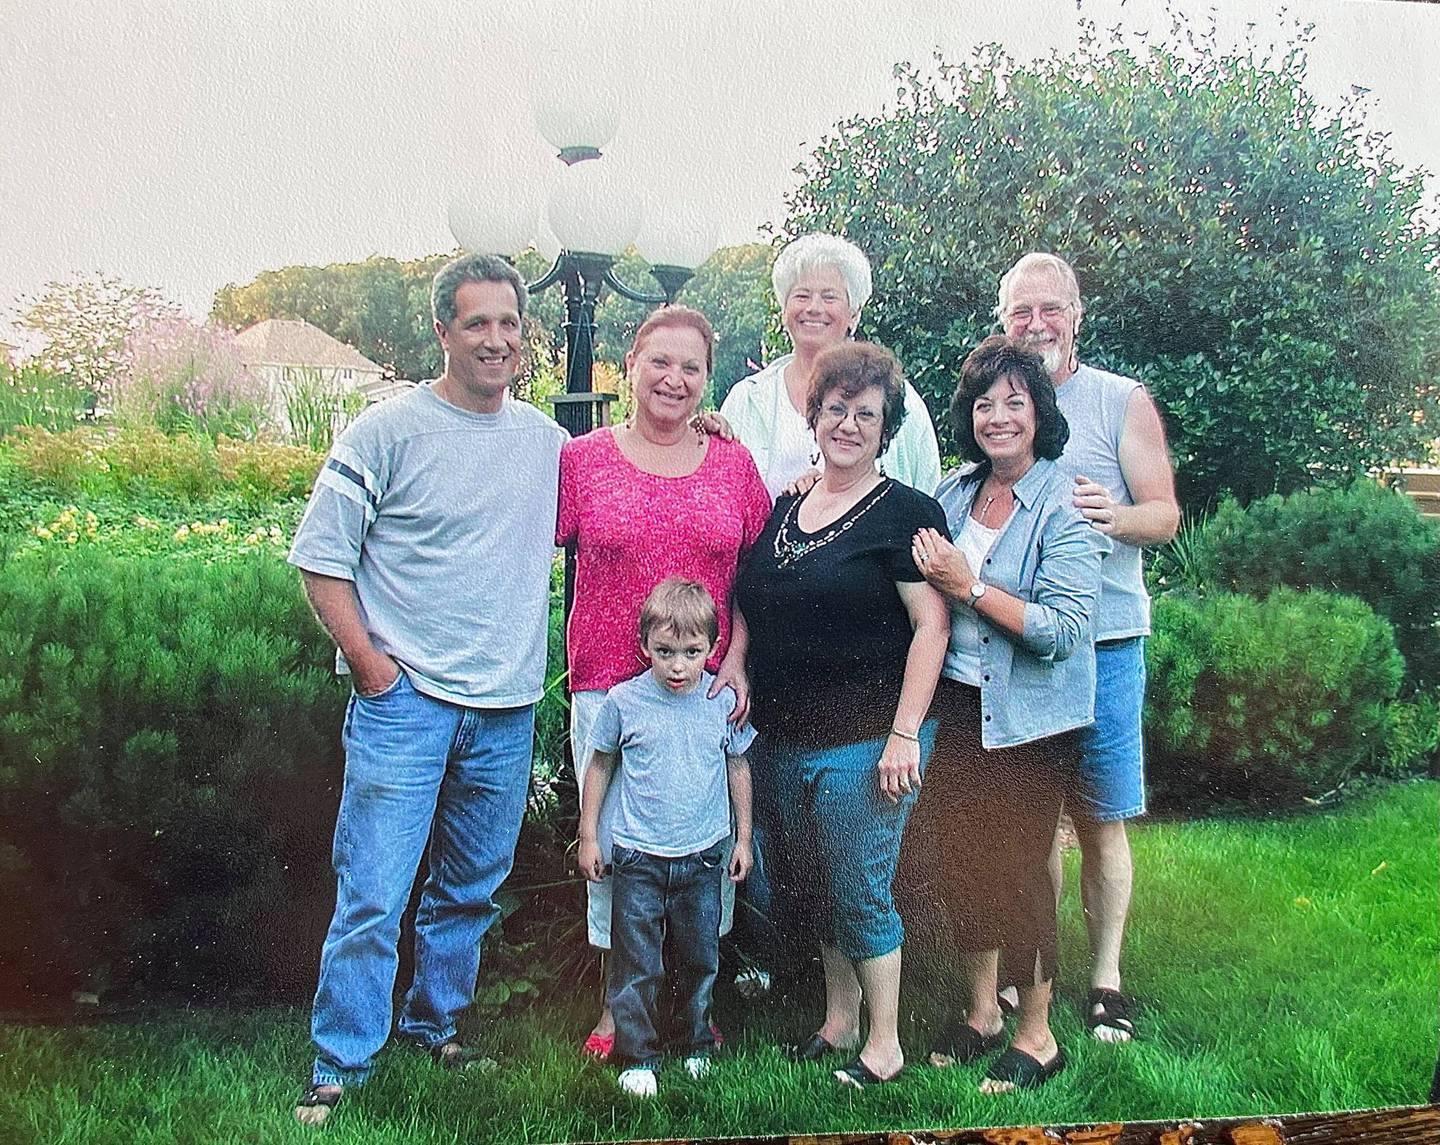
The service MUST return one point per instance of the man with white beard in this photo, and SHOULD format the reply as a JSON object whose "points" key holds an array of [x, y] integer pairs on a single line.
{"points": [[1125, 487]]}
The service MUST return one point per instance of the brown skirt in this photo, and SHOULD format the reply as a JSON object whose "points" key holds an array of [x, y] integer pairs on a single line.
{"points": [[987, 820]]}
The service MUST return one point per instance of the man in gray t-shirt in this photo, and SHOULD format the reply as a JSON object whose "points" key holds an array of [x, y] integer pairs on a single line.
{"points": [[425, 552]]}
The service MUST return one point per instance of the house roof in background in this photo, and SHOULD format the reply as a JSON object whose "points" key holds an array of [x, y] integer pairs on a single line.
{"points": [[291, 342]]}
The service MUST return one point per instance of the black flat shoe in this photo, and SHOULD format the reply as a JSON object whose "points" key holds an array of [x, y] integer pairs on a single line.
{"points": [[809, 1051], [1024, 1071], [962, 1044], [858, 1075]]}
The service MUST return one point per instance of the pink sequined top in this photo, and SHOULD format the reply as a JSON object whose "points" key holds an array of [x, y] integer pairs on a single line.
{"points": [[633, 529]]}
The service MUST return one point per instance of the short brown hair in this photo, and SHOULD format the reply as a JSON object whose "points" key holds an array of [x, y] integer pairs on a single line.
{"points": [[852, 368], [684, 606], [679, 316], [1001, 357]]}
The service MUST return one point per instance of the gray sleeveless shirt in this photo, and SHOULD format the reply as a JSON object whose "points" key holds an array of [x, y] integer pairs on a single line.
{"points": [[1094, 402]]}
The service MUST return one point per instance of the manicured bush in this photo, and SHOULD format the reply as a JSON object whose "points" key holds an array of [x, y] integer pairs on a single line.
{"points": [[1412, 734], [1265, 701], [169, 765], [1365, 540]]}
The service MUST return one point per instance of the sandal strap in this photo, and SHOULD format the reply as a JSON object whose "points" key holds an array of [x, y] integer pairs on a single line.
{"points": [[965, 1043], [1115, 1009], [313, 1097]]}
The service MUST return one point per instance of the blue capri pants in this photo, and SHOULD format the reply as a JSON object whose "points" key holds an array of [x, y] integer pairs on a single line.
{"points": [[842, 841]]}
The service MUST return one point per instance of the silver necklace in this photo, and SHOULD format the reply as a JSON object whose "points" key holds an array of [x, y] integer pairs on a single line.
{"points": [[788, 550]]}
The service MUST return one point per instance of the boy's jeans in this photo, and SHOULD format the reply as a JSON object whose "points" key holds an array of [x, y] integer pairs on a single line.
{"points": [[674, 905], [416, 769]]}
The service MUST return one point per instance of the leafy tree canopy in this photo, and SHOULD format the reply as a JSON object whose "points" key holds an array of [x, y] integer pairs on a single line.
{"points": [[382, 307], [1261, 263]]}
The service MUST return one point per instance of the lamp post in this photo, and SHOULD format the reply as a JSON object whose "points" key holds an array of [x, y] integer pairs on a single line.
{"points": [[594, 218]]}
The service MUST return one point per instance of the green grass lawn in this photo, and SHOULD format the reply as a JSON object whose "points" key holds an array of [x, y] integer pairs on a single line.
{"points": [[1286, 965]]}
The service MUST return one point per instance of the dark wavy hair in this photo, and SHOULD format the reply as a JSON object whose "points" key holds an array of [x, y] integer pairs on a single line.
{"points": [[852, 368], [1001, 357]]}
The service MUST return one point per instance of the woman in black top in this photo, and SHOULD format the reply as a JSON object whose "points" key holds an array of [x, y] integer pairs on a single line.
{"points": [[846, 643]]}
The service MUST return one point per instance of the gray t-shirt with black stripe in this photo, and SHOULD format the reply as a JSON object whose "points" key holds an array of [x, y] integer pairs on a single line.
{"points": [[445, 521]]}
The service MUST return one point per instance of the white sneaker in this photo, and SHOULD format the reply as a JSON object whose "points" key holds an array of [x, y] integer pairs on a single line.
{"points": [[638, 1082], [698, 1066]]}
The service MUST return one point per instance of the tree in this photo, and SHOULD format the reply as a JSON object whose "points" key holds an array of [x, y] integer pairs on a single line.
{"points": [[380, 306], [731, 288], [84, 323], [1262, 264]]}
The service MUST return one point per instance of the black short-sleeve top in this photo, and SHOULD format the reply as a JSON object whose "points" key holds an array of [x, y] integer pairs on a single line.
{"points": [[829, 633]]}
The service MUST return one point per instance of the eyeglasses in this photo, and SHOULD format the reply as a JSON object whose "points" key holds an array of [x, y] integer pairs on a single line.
{"points": [[1049, 312], [864, 418]]}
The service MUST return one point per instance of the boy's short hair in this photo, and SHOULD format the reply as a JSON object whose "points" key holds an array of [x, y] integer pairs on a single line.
{"points": [[684, 606]]}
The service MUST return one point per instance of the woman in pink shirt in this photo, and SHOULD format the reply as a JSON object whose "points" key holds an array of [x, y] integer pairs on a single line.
{"points": [[651, 499]]}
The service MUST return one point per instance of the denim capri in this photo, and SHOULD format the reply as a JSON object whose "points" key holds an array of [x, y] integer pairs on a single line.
{"points": [[842, 840]]}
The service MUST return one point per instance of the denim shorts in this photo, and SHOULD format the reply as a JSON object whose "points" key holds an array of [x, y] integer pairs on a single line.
{"points": [[1109, 784], [842, 841]]}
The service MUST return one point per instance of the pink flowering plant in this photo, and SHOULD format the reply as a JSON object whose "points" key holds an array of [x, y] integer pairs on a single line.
{"points": [[183, 377]]}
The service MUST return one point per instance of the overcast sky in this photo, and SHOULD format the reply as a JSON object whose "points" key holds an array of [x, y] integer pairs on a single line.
{"points": [[184, 144]]}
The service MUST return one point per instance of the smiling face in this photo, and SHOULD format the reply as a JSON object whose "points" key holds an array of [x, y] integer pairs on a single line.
{"points": [[1004, 421], [482, 346], [667, 374], [817, 312], [1043, 315], [848, 430], [677, 658]]}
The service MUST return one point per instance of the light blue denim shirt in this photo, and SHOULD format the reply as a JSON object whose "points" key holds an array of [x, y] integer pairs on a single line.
{"points": [[1042, 682]]}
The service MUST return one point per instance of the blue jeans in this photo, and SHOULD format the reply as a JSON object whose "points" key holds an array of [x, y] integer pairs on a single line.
{"points": [[1109, 783], [665, 920], [842, 843], [417, 769]]}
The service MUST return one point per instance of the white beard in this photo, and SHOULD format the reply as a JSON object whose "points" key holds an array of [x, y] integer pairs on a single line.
{"points": [[1049, 351]]}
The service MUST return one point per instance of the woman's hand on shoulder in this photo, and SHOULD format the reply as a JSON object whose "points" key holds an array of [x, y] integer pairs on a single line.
{"points": [[941, 563], [899, 767], [732, 675], [713, 424], [802, 484]]}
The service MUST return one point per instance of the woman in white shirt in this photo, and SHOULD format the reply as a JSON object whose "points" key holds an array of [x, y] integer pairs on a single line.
{"points": [[821, 283]]}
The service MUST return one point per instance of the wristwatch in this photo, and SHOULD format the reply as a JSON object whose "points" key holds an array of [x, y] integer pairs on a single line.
{"points": [[977, 590]]}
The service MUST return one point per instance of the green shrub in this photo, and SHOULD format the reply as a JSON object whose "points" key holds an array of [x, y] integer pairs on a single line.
{"points": [[142, 462], [1412, 734], [1265, 701], [1262, 261], [1365, 540], [170, 768], [169, 763]]}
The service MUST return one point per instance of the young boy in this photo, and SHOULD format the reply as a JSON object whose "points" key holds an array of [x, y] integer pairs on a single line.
{"points": [[679, 757]]}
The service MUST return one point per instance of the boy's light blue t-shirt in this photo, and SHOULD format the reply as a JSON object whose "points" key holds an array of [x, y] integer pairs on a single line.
{"points": [[674, 797]]}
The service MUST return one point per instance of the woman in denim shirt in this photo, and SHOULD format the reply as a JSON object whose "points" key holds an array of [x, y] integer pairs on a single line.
{"points": [[1022, 579]]}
